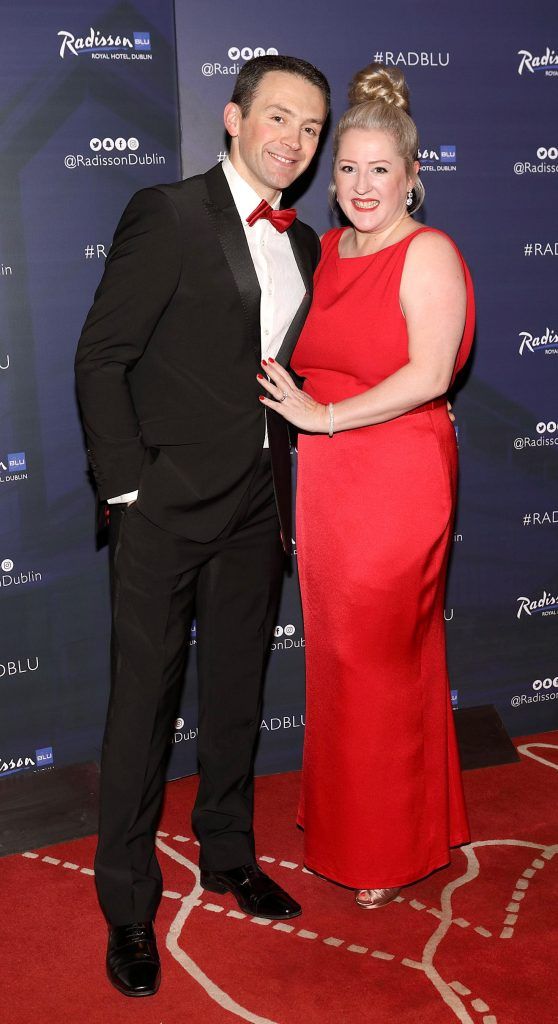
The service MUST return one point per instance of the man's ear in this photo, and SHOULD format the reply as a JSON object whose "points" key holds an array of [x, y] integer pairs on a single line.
{"points": [[232, 117]]}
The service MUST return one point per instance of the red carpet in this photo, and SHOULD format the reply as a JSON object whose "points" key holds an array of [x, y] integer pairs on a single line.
{"points": [[475, 943]]}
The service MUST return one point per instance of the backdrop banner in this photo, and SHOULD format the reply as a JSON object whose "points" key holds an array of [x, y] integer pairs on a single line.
{"points": [[484, 97], [91, 112]]}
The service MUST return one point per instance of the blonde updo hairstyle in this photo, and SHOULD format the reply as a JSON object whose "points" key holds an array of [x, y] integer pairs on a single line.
{"points": [[379, 100]]}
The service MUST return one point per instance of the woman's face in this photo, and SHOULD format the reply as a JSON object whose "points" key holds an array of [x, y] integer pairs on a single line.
{"points": [[370, 180]]}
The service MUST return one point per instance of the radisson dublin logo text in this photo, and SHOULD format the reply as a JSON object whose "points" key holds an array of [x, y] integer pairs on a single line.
{"points": [[547, 604], [443, 158], [13, 467], [547, 62], [546, 342], [109, 47], [42, 758]]}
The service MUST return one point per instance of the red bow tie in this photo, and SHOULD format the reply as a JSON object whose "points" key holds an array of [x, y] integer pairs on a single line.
{"points": [[281, 219]]}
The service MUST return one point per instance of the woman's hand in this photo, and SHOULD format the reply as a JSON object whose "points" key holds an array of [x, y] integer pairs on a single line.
{"points": [[292, 404]]}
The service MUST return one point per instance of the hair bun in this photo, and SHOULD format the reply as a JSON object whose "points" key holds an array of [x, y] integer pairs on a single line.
{"points": [[377, 82]]}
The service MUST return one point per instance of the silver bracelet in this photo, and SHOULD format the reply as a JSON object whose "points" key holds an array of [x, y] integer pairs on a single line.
{"points": [[331, 419]]}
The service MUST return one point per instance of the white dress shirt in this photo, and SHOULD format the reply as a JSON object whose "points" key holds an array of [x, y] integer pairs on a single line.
{"points": [[282, 287]]}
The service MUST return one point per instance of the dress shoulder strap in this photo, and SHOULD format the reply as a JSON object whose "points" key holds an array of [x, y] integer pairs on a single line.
{"points": [[453, 244], [330, 241], [435, 231]]}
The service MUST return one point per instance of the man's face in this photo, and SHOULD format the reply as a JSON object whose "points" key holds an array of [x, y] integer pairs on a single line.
{"points": [[277, 139]]}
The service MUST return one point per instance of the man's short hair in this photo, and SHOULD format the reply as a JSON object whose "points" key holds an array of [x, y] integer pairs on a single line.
{"points": [[253, 71]]}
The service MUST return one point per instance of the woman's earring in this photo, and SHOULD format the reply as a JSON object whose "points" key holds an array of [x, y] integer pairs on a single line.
{"points": [[410, 195]]}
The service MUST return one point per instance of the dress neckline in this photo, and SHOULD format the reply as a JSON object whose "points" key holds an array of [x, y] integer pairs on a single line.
{"points": [[366, 256]]}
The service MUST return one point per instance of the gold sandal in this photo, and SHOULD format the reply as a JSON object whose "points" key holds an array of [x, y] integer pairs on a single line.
{"points": [[376, 897]]}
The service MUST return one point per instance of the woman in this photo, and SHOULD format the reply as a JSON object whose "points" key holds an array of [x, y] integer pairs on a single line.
{"points": [[390, 326]]}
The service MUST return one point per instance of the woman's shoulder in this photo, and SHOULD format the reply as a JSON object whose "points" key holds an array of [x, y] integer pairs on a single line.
{"points": [[428, 240], [431, 248]]}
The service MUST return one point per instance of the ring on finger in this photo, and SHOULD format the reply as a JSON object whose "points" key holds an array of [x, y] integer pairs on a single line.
{"points": [[284, 396]]}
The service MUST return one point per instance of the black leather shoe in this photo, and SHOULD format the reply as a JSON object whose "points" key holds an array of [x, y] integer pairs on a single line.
{"points": [[255, 892], [133, 965]]}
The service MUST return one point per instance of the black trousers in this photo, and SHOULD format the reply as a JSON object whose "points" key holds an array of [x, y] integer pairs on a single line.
{"points": [[159, 581]]}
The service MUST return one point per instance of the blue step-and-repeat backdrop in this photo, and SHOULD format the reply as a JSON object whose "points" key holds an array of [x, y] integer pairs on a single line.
{"points": [[101, 99]]}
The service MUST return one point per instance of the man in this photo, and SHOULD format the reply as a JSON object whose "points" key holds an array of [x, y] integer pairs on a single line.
{"points": [[202, 281]]}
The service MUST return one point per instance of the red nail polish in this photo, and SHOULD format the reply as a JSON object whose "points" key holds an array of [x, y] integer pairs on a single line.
{"points": [[264, 362], [271, 360], [260, 376], [261, 398]]}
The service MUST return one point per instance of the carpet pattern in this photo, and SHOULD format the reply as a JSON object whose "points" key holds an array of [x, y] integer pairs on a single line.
{"points": [[474, 942]]}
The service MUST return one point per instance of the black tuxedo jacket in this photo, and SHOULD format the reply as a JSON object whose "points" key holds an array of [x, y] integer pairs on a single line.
{"points": [[167, 360]]}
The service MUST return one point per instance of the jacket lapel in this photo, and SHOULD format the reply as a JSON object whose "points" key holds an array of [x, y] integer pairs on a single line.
{"points": [[224, 215], [303, 259]]}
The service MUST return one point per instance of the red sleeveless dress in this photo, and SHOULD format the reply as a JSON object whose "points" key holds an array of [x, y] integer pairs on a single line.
{"points": [[382, 798]]}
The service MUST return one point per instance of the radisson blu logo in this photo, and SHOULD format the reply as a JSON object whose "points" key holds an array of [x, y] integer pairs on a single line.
{"points": [[98, 45]]}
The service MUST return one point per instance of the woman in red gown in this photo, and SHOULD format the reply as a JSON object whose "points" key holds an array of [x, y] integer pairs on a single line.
{"points": [[390, 327]]}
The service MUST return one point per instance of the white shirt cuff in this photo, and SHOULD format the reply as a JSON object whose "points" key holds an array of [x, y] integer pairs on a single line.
{"points": [[131, 496]]}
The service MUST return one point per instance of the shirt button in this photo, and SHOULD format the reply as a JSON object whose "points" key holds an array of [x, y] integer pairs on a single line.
{"points": [[266, 332]]}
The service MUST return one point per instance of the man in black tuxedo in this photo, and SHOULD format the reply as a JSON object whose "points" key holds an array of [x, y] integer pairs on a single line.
{"points": [[202, 282]]}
